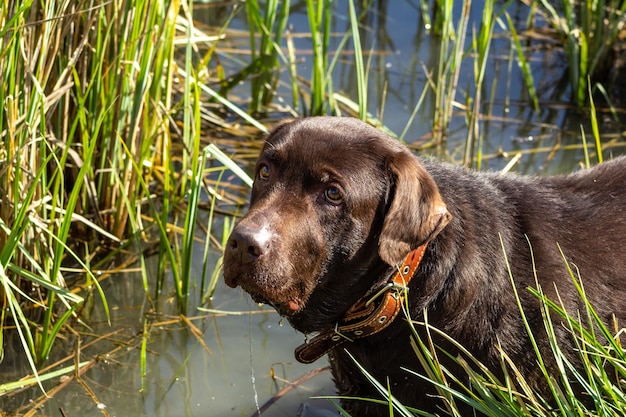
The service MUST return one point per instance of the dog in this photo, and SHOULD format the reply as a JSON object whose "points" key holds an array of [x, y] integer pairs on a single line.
{"points": [[352, 237]]}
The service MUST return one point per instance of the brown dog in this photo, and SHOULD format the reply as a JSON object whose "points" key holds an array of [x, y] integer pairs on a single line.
{"points": [[342, 214]]}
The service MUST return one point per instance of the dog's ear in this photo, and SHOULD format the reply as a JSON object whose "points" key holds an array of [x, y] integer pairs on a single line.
{"points": [[416, 213]]}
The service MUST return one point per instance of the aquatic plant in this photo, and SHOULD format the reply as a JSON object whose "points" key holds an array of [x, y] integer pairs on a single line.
{"points": [[589, 31], [601, 374], [87, 134]]}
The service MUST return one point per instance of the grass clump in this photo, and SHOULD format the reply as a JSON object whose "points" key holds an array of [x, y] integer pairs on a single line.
{"points": [[597, 386], [271, 25], [87, 135], [589, 31]]}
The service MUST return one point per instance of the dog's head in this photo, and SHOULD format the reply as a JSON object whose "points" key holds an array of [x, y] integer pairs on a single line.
{"points": [[335, 205]]}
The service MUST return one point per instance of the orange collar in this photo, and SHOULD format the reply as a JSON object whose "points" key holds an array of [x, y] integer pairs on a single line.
{"points": [[366, 317]]}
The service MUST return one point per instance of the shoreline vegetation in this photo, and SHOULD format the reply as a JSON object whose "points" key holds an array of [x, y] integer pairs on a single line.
{"points": [[126, 127]]}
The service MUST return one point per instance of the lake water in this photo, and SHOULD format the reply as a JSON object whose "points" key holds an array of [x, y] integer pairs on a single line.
{"points": [[248, 357]]}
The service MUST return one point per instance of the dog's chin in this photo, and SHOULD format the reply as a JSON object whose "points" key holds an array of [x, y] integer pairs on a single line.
{"points": [[259, 299], [287, 307], [303, 322]]}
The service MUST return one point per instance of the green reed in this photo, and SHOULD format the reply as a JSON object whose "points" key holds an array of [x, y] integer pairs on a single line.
{"points": [[481, 45], [88, 133], [38, 210], [85, 122], [316, 95], [320, 15], [264, 66], [601, 376], [361, 74], [191, 180], [523, 63], [589, 30], [448, 70]]}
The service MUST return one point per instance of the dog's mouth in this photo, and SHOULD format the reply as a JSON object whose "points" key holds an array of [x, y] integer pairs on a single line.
{"points": [[259, 299], [285, 306]]}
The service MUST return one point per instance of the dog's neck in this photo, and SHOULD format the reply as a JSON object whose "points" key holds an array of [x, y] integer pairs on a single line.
{"points": [[367, 316]]}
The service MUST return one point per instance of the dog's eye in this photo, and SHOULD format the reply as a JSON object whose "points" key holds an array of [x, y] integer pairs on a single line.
{"points": [[264, 172], [333, 195]]}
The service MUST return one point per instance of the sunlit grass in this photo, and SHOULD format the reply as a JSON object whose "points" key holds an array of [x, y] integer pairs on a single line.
{"points": [[481, 45], [589, 30], [601, 374], [446, 79], [86, 138], [265, 63]]}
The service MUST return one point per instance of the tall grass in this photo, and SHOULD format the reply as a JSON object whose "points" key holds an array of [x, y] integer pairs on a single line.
{"points": [[320, 14], [60, 127], [454, 53], [601, 375], [86, 128], [481, 45], [312, 92], [589, 30], [264, 66], [448, 70]]}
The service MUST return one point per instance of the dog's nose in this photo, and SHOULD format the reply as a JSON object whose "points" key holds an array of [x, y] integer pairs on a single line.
{"points": [[248, 244]]}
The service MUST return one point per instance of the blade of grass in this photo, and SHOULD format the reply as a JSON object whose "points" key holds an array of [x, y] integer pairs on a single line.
{"points": [[594, 125], [523, 64], [220, 156], [358, 59], [8, 387], [392, 402]]}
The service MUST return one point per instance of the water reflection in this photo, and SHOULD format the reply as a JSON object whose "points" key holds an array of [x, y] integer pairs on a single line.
{"points": [[246, 356]]}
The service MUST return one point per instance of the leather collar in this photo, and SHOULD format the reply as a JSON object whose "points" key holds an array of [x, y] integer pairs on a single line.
{"points": [[366, 317]]}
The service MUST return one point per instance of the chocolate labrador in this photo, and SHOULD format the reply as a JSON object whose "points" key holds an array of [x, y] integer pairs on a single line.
{"points": [[349, 236]]}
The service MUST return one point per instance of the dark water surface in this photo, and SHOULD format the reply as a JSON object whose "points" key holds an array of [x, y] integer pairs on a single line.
{"points": [[251, 355]]}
